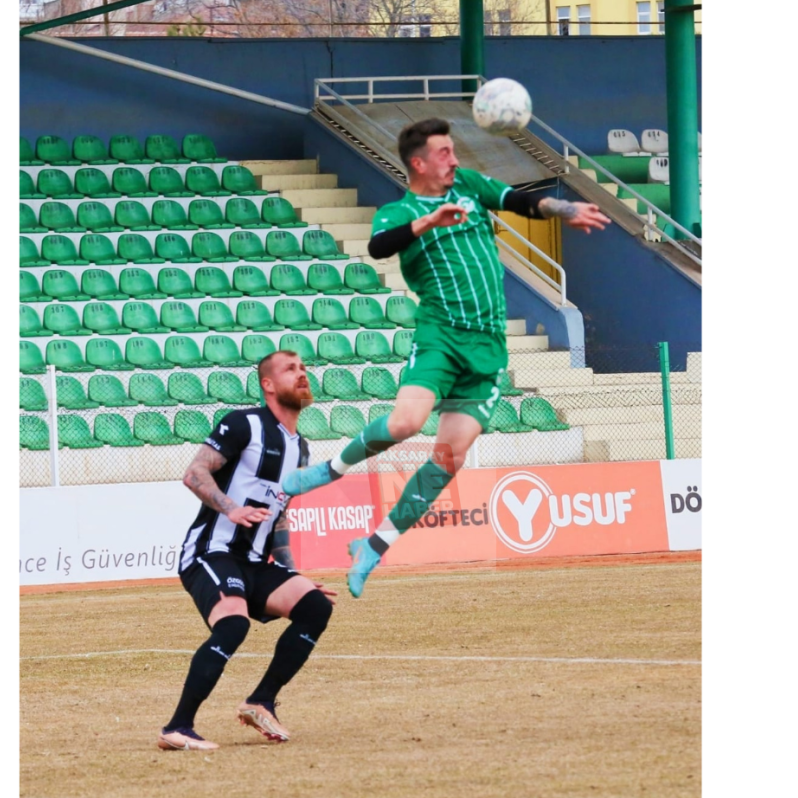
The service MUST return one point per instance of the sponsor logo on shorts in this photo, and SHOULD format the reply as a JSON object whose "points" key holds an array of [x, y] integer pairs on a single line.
{"points": [[234, 583]]}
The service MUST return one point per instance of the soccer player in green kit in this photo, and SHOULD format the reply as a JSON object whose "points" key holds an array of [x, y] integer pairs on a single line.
{"points": [[444, 236]]}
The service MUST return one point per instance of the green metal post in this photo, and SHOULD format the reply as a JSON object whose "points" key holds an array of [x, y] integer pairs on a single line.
{"points": [[682, 87], [667, 409], [472, 41], [70, 18]]}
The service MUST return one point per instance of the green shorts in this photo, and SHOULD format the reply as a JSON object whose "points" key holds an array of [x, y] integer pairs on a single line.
{"points": [[461, 367]]}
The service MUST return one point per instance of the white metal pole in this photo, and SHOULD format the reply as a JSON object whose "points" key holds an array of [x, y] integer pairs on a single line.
{"points": [[52, 401]]}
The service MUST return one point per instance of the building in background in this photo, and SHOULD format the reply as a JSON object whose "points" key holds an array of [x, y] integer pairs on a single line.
{"points": [[610, 18]]}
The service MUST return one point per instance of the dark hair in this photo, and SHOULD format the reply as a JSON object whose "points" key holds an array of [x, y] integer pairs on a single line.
{"points": [[413, 137], [265, 366]]}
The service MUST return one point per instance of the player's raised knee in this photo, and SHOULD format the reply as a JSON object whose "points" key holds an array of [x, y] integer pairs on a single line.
{"points": [[404, 426]]}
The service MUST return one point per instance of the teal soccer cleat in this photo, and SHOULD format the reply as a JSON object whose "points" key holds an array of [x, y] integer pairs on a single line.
{"points": [[364, 561], [305, 479]]}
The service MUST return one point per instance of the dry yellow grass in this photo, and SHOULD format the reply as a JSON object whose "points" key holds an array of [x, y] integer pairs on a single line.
{"points": [[376, 722]]}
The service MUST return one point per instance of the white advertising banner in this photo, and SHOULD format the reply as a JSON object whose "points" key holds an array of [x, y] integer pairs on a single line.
{"points": [[99, 533], [681, 489]]}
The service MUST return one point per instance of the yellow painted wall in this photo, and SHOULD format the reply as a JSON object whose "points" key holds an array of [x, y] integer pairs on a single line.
{"points": [[545, 235], [611, 11]]}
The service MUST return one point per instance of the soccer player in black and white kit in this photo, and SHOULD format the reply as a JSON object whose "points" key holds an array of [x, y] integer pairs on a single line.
{"points": [[224, 562]]}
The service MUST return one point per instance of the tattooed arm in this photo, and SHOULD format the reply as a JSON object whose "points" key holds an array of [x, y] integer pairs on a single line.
{"points": [[281, 546], [581, 215]]}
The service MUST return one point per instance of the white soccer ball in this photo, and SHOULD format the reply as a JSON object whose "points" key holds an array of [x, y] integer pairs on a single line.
{"points": [[502, 107]]}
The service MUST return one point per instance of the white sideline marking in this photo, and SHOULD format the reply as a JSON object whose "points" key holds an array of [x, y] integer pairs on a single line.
{"points": [[400, 657]]}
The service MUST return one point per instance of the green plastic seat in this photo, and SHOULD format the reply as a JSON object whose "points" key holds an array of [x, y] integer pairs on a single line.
{"points": [[335, 347], [147, 389], [100, 284], [144, 353], [312, 425], [97, 248], [71, 394], [251, 281], [105, 354], [180, 350], [93, 183], [401, 310], [75, 433], [129, 182], [505, 419], [30, 358], [296, 342], [34, 434], [374, 346], [252, 315], [58, 216], [56, 183], [219, 415], [107, 390], [253, 387], [165, 181], [204, 181], [29, 254], [62, 285], [31, 395], [61, 250], [163, 149], [255, 347], [27, 189], [54, 150], [538, 413], [28, 223], [206, 213], [245, 245], [506, 385], [191, 425], [316, 389], [239, 180], [330, 313], [29, 288], [378, 382], [199, 148], [218, 316], [226, 387], [170, 215], [66, 356], [153, 428], [176, 283], [188, 389], [102, 318], [288, 279], [127, 149], [379, 410], [222, 350], [366, 312], [27, 157], [174, 248], [242, 212], [280, 212], [364, 279], [326, 279], [430, 428], [139, 284], [320, 244], [135, 248], [293, 314], [142, 318], [179, 316], [342, 384], [212, 281], [30, 325], [89, 149], [63, 320], [403, 343], [210, 247], [347, 420], [97, 217], [113, 429], [132, 215], [282, 244]]}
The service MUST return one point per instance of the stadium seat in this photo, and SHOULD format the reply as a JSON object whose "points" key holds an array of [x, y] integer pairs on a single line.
{"points": [[622, 141], [506, 385], [29, 254], [364, 279], [174, 248], [204, 181], [188, 389], [113, 429], [401, 310], [94, 183], [179, 316], [183, 351], [347, 420], [538, 413], [89, 149], [342, 384], [191, 425], [34, 434], [206, 213], [212, 281], [320, 244], [100, 284], [253, 387], [313, 425], [219, 415], [278, 211], [211, 248], [105, 354], [255, 347], [283, 245], [316, 390], [430, 427], [107, 390], [242, 212], [31, 395], [245, 245], [149, 391], [654, 141], [30, 325], [335, 348], [163, 149], [505, 419], [252, 315], [227, 388], [30, 358], [199, 148], [288, 279], [61, 250], [153, 428], [251, 281], [55, 183], [74, 432], [170, 215], [176, 283], [144, 353], [97, 248], [658, 170], [66, 356], [366, 312], [97, 217], [26, 155], [58, 216], [378, 382], [62, 318], [139, 284], [132, 215], [136, 248], [330, 313], [54, 150], [165, 181], [27, 189], [28, 223], [141, 318], [293, 314], [326, 279], [223, 351], [62, 285], [70, 394], [296, 342], [217, 316], [129, 182], [102, 318], [239, 180], [374, 346], [29, 289], [127, 149], [379, 410]]}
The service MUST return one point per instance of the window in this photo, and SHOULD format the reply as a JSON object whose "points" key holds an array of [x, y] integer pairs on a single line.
{"points": [[583, 15], [488, 23], [644, 18], [563, 15], [661, 15], [406, 31], [505, 28], [425, 26]]}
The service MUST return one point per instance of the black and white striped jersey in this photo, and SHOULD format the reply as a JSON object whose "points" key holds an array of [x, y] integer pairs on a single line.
{"points": [[260, 453]]}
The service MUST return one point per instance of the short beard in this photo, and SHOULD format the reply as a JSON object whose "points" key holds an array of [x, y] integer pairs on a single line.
{"points": [[295, 399]]}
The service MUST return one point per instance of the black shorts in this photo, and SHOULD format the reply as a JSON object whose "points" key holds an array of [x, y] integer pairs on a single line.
{"points": [[221, 573]]}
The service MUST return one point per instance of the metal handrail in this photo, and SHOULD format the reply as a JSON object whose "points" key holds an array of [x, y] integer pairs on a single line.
{"points": [[425, 79]]}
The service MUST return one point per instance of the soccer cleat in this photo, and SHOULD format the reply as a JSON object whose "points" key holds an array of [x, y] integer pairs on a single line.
{"points": [[263, 719], [184, 739], [305, 479], [364, 561]]}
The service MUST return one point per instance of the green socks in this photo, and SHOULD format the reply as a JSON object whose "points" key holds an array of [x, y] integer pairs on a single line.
{"points": [[421, 490], [374, 439]]}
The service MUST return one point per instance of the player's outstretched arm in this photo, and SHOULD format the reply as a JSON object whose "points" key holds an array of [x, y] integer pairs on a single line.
{"points": [[580, 215], [387, 243]]}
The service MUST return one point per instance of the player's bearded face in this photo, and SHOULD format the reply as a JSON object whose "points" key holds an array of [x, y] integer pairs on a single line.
{"points": [[441, 161], [293, 390]]}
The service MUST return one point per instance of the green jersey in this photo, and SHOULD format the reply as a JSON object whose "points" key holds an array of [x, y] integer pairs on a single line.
{"points": [[455, 271]]}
